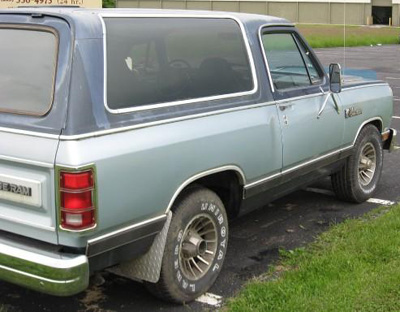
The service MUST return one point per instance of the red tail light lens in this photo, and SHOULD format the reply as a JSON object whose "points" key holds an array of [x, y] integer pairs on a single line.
{"points": [[77, 200], [76, 181]]}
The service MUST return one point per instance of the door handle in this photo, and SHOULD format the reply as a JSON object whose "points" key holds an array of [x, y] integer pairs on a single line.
{"points": [[283, 107]]}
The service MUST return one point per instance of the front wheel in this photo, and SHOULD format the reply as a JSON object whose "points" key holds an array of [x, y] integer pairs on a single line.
{"points": [[359, 177], [195, 247]]}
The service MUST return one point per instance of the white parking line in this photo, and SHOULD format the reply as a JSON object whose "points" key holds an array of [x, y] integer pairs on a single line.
{"points": [[210, 299], [396, 117], [380, 201]]}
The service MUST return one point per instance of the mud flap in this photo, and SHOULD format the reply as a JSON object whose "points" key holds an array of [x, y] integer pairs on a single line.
{"points": [[147, 267]]}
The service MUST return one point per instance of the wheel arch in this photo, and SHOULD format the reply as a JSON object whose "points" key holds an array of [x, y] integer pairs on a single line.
{"points": [[226, 181], [375, 121]]}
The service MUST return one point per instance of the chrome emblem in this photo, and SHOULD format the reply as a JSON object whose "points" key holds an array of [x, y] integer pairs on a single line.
{"points": [[15, 189], [352, 111]]}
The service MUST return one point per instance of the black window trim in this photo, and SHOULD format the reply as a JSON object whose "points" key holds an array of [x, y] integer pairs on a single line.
{"points": [[40, 28], [296, 92], [249, 54]]}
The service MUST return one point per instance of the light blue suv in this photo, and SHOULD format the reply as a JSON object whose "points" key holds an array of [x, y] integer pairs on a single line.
{"points": [[129, 138]]}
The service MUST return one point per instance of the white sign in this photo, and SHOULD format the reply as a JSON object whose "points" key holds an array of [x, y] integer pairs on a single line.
{"points": [[18, 3]]}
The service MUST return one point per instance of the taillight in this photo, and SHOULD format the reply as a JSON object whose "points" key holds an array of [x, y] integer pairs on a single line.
{"points": [[77, 200]]}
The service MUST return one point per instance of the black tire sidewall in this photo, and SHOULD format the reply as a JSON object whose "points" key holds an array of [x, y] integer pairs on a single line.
{"points": [[368, 135], [196, 202]]}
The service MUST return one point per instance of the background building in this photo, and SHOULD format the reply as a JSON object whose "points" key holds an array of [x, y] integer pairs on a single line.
{"points": [[356, 12]]}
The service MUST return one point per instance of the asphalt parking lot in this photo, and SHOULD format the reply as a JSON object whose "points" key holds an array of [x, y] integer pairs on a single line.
{"points": [[255, 239]]}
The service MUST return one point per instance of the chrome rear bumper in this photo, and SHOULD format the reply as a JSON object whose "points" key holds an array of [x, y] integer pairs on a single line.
{"points": [[49, 272]]}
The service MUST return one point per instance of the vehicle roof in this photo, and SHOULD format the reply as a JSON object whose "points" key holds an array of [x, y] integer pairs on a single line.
{"points": [[83, 19]]}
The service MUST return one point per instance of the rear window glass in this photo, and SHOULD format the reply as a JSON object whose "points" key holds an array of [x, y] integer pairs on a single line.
{"points": [[27, 70], [159, 60]]}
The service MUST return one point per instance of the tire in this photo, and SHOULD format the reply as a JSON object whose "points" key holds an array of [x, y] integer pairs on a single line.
{"points": [[359, 177], [195, 248]]}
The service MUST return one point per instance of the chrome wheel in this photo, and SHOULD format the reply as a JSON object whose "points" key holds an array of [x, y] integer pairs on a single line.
{"points": [[199, 246], [367, 164]]}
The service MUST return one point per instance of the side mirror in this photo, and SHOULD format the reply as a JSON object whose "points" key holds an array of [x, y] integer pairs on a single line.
{"points": [[335, 78]]}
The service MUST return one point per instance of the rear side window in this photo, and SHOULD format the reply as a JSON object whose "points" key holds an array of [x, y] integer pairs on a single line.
{"points": [[162, 60], [27, 69]]}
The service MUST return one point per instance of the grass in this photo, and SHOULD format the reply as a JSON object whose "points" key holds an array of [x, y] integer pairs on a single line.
{"points": [[325, 36], [355, 266]]}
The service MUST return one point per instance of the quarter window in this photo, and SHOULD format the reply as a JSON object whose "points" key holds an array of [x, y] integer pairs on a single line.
{"points": [[162, 60], [289, 66]]}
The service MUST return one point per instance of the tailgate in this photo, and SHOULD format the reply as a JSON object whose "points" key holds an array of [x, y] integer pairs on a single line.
{"points": [[27, 204]]}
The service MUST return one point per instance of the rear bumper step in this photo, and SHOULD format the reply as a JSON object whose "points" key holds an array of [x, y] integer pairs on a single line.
{"points": [[52, 272]]}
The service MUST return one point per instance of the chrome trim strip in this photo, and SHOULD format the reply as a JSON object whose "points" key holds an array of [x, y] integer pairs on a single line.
{"points": [[130, 227], [27, 161], [344, 88], [177, 119], [364, 123], [309, 162], [182, 102], [261, 181], [160, 122], [308, 96], [204, 174], [22, 222], [30, 133]]}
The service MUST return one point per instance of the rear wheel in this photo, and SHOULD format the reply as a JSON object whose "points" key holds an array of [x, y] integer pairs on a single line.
{"points": [[195, 247], [358, 179]]}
